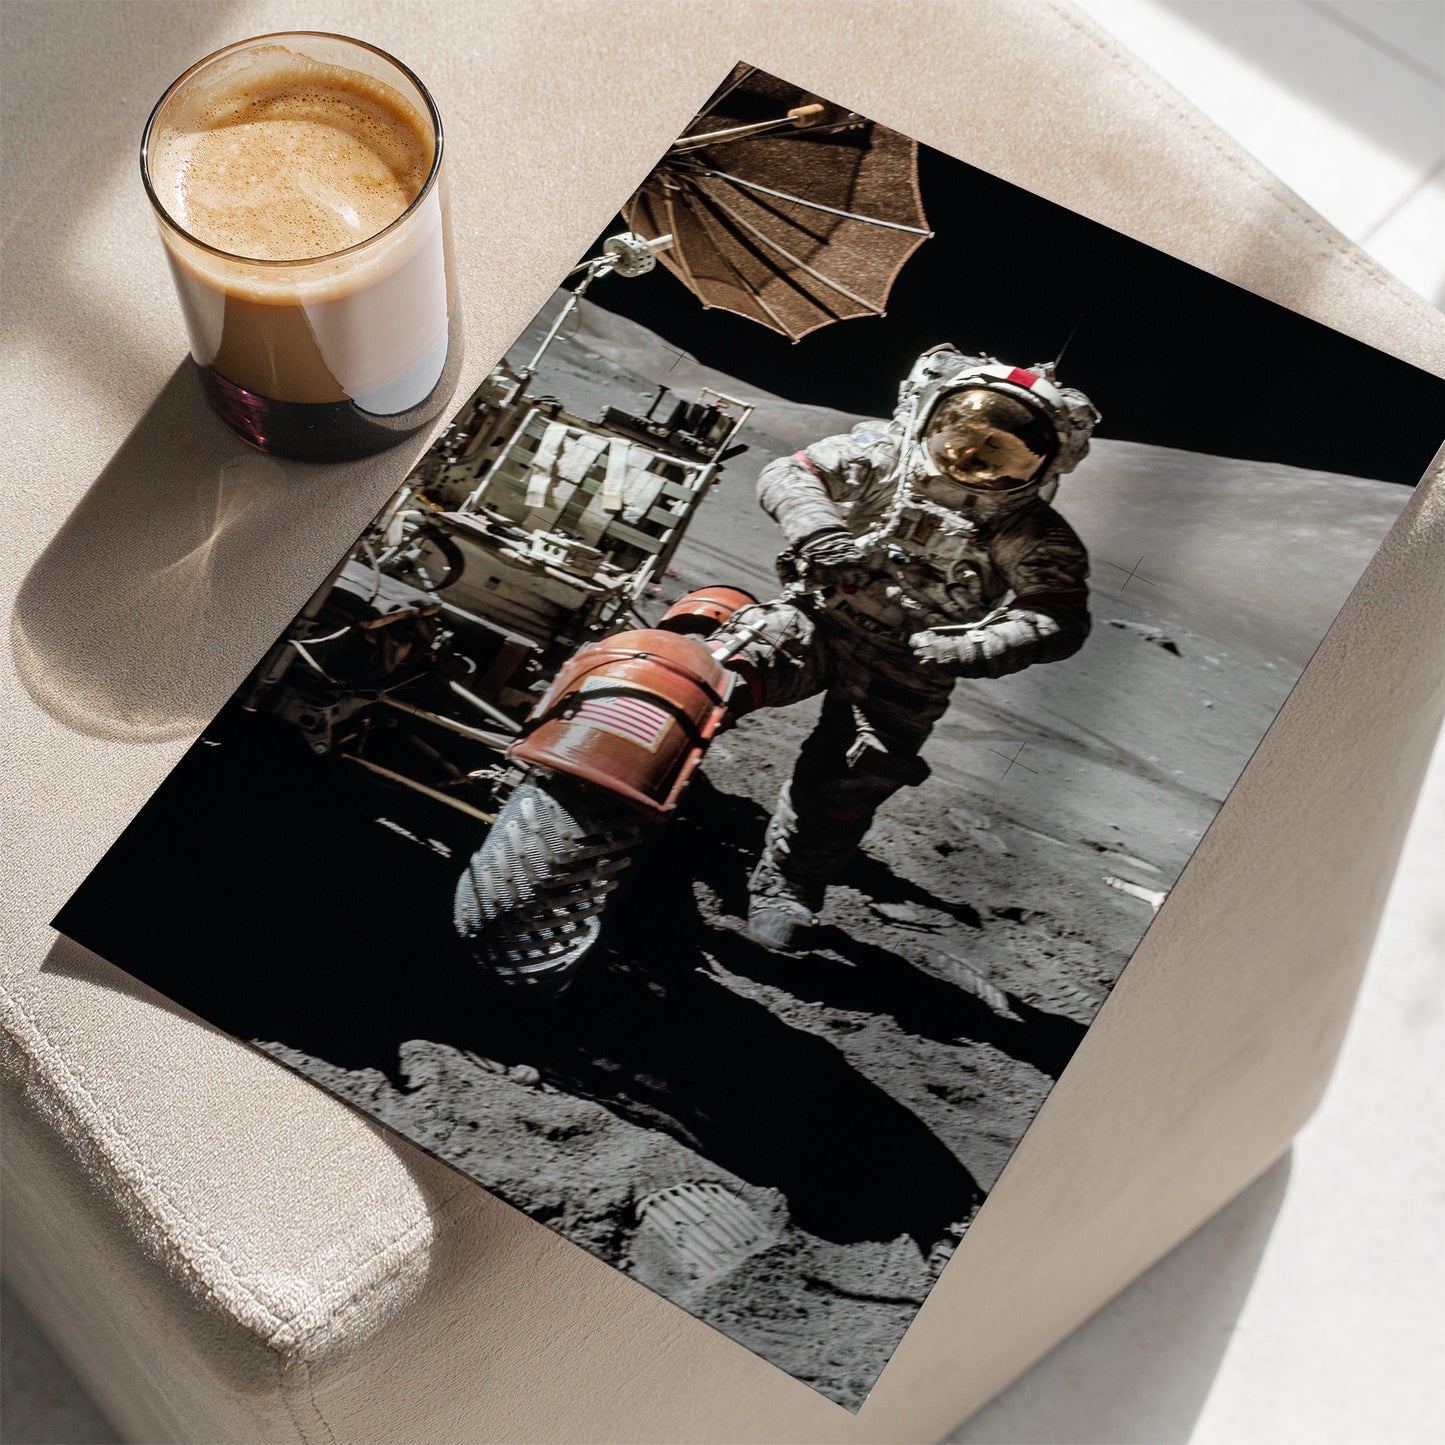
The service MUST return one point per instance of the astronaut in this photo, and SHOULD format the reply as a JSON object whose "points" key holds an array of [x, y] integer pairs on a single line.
{"points": [[919, 552]]}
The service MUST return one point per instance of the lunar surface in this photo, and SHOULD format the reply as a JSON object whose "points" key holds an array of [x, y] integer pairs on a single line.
{"points": [[792, 1148]]}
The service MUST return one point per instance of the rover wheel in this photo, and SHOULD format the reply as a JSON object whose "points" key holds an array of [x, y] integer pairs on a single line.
{"points": [[531, 902]]}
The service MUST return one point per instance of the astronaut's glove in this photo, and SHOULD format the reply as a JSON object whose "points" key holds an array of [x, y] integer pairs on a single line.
{"points": [[989, 650], [957, 654], [830, 558], [1019, 638]]}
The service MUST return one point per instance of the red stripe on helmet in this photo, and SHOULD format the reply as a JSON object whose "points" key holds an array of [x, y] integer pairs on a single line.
{"points": [[1019, 377]]}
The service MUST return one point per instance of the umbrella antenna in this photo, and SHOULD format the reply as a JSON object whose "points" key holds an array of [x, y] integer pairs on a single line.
{"points": [[744, 72], [818, 205]]}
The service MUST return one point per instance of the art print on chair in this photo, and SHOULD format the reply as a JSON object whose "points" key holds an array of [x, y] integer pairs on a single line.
{"points": [[712, 800]]}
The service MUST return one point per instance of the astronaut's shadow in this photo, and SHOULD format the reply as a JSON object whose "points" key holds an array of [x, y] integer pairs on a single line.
{"points": [[850, 973], [672, 1049], [718, 838], [718, 835]]}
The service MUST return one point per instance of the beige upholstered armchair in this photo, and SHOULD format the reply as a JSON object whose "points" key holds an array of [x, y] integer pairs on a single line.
{"points": [[233, 1254]]}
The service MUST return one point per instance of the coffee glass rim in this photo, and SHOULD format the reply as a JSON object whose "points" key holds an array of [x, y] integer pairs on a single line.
{"points": [[286, 263]]}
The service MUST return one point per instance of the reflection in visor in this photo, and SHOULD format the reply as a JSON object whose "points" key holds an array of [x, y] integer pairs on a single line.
{"points": [[973, 438]]}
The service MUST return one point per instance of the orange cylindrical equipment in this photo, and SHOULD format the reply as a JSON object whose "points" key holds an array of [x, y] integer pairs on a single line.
{"points": [[631, 714], [704, 610]]}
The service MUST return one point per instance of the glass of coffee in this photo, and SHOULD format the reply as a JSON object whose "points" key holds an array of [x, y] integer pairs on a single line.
{"points": [[297, 183]]}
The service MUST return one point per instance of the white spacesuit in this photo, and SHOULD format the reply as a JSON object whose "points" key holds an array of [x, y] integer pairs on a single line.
{"points": [[920, 551]]}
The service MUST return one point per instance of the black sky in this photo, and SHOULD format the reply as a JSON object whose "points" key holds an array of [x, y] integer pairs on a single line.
{"points": [[1169, 354]]}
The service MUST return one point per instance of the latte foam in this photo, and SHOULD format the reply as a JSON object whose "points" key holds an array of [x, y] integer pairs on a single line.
{"points": [[287, 158]]}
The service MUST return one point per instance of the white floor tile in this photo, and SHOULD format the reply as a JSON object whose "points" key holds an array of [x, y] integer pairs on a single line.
{"points": [[1347, 125], [1413, 29], [1411, 240]]}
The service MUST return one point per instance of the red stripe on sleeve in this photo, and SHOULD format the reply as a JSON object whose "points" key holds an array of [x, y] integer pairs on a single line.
{"points": [[1059, 599], [804, 460]]}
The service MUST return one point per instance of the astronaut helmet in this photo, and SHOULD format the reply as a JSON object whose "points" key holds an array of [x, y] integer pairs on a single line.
{"points": [[986, 440], [991, 427]]}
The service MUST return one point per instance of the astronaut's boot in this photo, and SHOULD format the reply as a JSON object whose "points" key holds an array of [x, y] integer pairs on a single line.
{"points": [[803, 851], [780, 910]]}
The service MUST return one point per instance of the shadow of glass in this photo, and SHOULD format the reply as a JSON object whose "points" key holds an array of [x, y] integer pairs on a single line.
{"points": [[116, 623], [181, 563], [1139, 1371]]}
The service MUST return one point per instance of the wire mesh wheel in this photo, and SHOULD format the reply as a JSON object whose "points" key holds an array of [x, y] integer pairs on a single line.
{"points": [[531, 901]]}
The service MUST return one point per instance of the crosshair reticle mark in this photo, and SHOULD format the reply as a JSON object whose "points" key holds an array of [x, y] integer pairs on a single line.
{"points": [[1133, 573], [799, 205], [677, 356], [1013, 762]]}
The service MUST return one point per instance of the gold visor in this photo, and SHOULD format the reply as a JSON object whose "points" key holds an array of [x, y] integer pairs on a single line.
{"points": [[971, 448]]}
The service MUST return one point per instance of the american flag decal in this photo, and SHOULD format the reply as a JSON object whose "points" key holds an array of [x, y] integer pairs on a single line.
{"points": [[640, 722]]}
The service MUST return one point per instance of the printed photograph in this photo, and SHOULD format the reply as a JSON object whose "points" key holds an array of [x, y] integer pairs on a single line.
{"points": [[711, 802]]}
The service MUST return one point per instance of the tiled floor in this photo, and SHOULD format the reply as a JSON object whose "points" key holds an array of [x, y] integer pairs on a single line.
{"points": [[1264, 1327]]}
